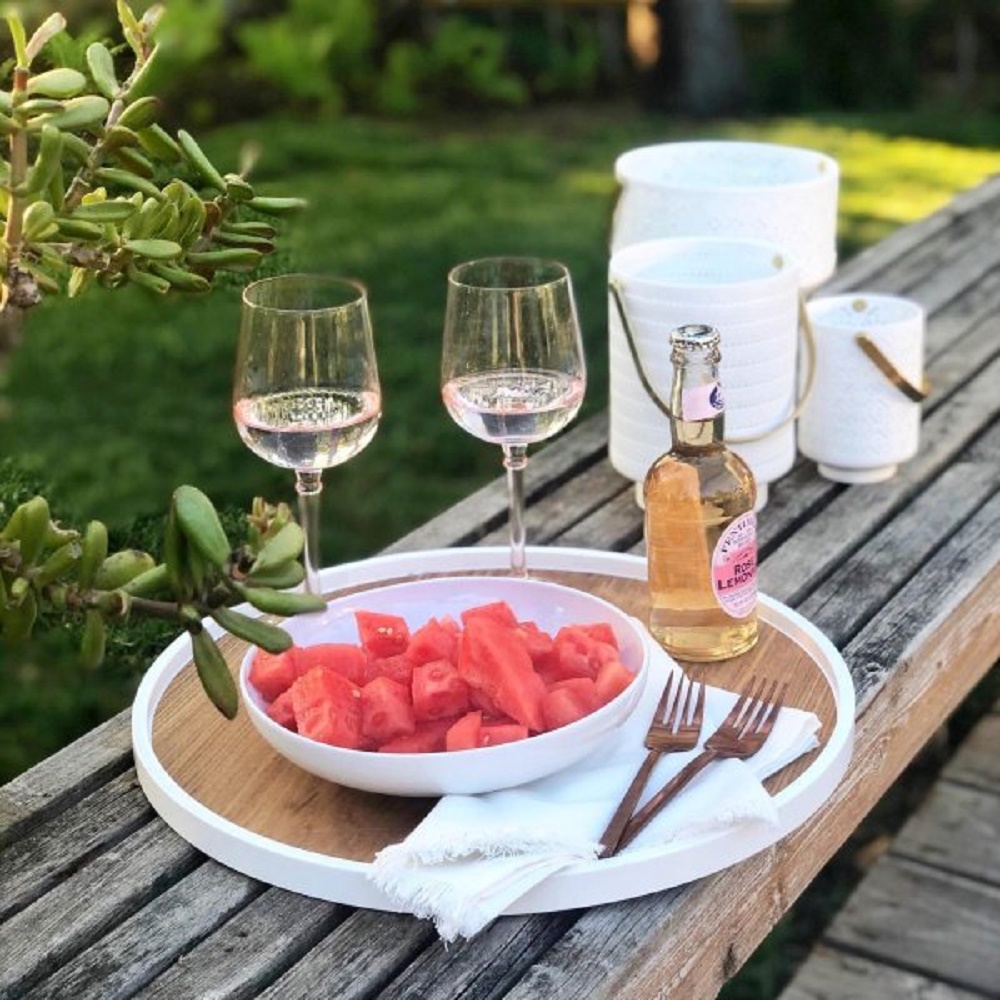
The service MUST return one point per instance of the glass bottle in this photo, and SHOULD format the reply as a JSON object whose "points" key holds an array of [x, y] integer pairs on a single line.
{"points": [[701, 530]]}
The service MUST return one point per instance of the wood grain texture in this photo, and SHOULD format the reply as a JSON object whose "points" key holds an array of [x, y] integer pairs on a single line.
{"points": [[833, 975], [248, 952], [89, 903], [125, 959], [230, 769], [916, 917], [356, 960], [65, 777], [957, 830], [977, 762], [38, 861]]}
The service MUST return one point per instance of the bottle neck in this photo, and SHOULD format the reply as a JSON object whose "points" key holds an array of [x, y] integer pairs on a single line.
{"points": [[696, 403]]}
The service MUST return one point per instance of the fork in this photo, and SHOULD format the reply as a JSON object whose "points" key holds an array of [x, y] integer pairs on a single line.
{"points": [[743, 732], [675, 727]]}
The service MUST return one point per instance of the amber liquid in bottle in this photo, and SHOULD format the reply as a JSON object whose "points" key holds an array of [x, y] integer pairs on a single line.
{"points": [[700, 525]]}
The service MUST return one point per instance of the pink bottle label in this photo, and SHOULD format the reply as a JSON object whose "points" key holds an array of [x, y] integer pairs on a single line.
{"points": [[702, 402], [734, 567]]}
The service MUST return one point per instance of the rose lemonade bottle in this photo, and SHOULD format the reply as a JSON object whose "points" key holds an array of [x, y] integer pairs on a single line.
{"points": [[701, 530]]}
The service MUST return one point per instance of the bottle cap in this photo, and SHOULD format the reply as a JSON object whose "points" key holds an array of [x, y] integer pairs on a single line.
{"points": [[695, 336]]}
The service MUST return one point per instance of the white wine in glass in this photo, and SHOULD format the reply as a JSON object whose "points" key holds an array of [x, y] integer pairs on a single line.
{"points": [[306, 391], [512, 367]]}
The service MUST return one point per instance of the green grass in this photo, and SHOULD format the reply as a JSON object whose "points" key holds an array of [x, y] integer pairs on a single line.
{"points": [[117, 397]]}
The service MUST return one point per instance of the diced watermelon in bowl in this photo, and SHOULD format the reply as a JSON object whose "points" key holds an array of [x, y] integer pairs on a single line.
{"points": [[474, 705]]}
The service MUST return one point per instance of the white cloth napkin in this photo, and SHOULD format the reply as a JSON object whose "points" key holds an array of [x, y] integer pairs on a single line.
{"points": [[474, 855]]}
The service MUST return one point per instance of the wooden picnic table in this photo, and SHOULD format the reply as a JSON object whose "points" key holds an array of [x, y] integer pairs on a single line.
{"points": [[100, 898]]}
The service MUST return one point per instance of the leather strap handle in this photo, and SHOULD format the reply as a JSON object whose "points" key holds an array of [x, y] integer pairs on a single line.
{"points": [[916, 394]]}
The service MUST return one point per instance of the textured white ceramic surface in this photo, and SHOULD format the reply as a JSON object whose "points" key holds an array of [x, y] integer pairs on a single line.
{"points": [[704, 270], [758, 367], [783, 195], [856, 424]]}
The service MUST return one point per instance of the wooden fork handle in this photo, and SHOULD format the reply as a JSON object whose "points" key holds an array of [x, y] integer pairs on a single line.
{"points": [[663, 796], [610, 837]]}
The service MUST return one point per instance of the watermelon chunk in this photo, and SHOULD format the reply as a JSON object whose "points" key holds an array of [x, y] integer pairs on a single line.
{"points": [[433, 641], [273, 673], [327, 708], [601, 632], [568, 701], [429, 737], [465, 734], [539, 644], [495, 733], [439, 691], [498, 611], [612, 678], [344, 658], [382, 634], [282, 711], [492, 660], [386, 711], [398, 668]]}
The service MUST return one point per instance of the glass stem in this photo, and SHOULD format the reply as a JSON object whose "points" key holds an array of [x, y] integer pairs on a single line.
{"points": [[309, 486], [515, 458]]}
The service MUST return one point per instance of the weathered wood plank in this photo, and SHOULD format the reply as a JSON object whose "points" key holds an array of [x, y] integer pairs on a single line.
{"points": [[484, 967], [250, 951], [819, 543], [832, 975], [885, 561], [566, 506], [64, 777], [89, 903], [471, 518], [874, 265], [916, 917], [35, 863], [356, 960], [922, 667], [929, 606], [957, 829], [138, 948], [977, 762]]}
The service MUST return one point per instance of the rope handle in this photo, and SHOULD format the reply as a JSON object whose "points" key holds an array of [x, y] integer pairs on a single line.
{"points": [[916, 394], [808, 340]]}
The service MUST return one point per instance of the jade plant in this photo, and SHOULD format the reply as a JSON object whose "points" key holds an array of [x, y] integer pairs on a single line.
{"points": [[94, 189], [46, 567]]}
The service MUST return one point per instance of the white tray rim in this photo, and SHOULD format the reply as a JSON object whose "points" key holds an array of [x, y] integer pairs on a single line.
{"points": [[585, 884]]}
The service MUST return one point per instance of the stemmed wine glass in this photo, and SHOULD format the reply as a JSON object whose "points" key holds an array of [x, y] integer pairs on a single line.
{"points": [[512, 367], [306, 391]]}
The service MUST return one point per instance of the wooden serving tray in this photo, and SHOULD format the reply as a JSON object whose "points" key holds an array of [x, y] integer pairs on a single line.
{"points": [[223, 787]]}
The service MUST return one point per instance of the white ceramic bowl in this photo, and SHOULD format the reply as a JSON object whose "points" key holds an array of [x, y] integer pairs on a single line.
{"points": [[550, 605]]}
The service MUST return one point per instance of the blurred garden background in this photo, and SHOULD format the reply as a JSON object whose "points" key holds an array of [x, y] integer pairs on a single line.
{"points": [[424, 133]]}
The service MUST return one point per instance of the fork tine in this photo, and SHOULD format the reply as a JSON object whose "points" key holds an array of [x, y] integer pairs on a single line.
{"points": [[754, 691], [685, 711], [661, 708], [769, 719], [699, 708], [756, 719], [734, 712]]}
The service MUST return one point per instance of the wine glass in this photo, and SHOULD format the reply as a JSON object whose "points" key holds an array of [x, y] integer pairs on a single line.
{"points": [[512, 367], [306, 391]]}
